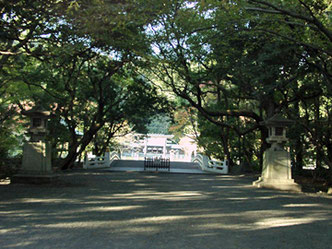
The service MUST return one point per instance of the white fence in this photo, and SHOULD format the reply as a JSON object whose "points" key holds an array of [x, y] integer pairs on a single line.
{"points": [[214, 166], [93, 162]]}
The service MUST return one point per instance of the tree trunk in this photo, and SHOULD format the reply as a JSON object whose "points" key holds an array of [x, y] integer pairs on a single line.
{"points": [[329, 155], [318, 134], [70, 158], [264, 146], [299, 156], [73, 150], [224, 139], [269, 106], [298, 146], [247, 155], [106, 143]]}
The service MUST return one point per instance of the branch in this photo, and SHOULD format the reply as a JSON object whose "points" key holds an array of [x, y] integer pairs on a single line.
{"points": [[43, 88], [209, 115], [263, 10], [9, 53], [293, 40], [277, 10]]}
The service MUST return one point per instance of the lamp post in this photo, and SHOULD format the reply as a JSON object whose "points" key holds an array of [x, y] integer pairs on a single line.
{"points": [[38, 124], [276, 172], [36, 164]]}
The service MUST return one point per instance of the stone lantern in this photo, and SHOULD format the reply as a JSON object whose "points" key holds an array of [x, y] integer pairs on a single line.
{"points": [[38, 124], [277, 129], [276, 172], [36, 165]]}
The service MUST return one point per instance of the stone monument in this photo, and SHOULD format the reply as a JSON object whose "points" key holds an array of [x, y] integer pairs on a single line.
{"points": [[36, 165], [276, 172]]}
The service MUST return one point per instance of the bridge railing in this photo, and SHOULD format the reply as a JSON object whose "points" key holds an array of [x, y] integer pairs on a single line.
{"points": [[208, 165], [157, 163], [94, 162]]}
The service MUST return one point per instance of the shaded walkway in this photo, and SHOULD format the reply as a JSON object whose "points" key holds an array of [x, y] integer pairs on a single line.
{"points": [[151, 210]]}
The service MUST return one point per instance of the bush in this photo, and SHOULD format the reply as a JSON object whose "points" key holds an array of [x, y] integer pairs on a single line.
{"points": [[9, 166]]}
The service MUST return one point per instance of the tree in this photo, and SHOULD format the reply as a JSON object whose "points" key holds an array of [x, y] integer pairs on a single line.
{"points": [[307, 26], [89, 93], [159, 124], [86, 77], [22, 24], [222, 63]]}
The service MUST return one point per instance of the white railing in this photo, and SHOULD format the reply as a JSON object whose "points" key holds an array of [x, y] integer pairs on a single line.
{"points": [[208, 165], [93, 162]]}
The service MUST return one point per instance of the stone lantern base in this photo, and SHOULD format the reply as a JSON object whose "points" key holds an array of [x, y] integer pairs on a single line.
{"points": [[36, 166], [276, 173], [279, 184]]}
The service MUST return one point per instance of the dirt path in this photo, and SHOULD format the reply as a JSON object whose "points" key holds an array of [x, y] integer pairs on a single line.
{"points": [[151, 210]]}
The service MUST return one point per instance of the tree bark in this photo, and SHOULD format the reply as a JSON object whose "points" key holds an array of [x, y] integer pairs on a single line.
{"points": [[73, 152], [298, 145], [224, 140]]}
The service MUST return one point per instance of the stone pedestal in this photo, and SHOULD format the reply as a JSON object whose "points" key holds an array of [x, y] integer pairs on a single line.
{"points": [[276, 173], [36, 166]]}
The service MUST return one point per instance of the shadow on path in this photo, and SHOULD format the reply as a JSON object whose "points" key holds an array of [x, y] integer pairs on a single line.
{"points": [[151, 210]]}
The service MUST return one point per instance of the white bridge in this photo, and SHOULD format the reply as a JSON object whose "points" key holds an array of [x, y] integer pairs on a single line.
{"points": [[112, 161], [98, 162]]}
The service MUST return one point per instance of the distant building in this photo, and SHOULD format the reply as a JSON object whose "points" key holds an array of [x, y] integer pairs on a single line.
{"points": [[138, 146]]}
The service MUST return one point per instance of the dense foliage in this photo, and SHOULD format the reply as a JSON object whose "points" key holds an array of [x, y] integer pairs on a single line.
{"points": [[48, 59], [239, 63]]}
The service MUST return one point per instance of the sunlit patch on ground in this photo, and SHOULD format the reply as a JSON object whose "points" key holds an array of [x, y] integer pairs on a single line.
{"points": [[284, 222], [121, 210], [5, 181]]}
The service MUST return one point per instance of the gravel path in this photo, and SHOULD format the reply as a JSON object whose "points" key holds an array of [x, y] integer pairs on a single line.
{"points": [[155, 210]]}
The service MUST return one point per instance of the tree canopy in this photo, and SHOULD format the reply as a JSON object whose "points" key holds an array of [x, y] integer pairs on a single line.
{"points": [[239, 63]]}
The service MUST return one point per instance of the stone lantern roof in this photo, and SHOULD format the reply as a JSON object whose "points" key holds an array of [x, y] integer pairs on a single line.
{"points": [[38, 123], [37, 112], [277, 120]]}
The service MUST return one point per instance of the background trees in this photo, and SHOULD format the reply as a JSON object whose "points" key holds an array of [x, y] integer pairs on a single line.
{"points": [[88, 83], [239, 63], [23, 24], [306, 25]]}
